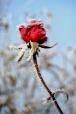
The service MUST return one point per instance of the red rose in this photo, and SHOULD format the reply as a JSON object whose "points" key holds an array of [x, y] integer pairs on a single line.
{"points": [[33, 31]]}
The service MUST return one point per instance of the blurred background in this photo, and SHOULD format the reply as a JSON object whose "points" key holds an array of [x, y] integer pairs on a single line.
{"points": [[20, 90]]}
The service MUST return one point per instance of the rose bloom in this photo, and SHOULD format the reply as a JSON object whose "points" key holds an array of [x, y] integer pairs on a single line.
{"points": [[33, 31]]}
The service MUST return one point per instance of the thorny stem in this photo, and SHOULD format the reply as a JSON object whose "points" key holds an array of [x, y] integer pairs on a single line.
{"points": [[44, 84]]}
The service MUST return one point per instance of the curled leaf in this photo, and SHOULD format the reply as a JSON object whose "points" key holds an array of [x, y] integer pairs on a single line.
{"points": [[21, 46], [20, 55], [58, 92], [46, 46]]}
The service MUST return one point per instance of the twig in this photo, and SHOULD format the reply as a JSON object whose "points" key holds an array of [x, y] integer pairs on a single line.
{"points": [[44, 84]]}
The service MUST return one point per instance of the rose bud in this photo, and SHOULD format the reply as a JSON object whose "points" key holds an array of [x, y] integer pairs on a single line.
{"points": [[33, 31]]}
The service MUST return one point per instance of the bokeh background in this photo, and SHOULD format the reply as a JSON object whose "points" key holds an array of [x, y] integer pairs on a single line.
{"points": [[20, 90]]}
